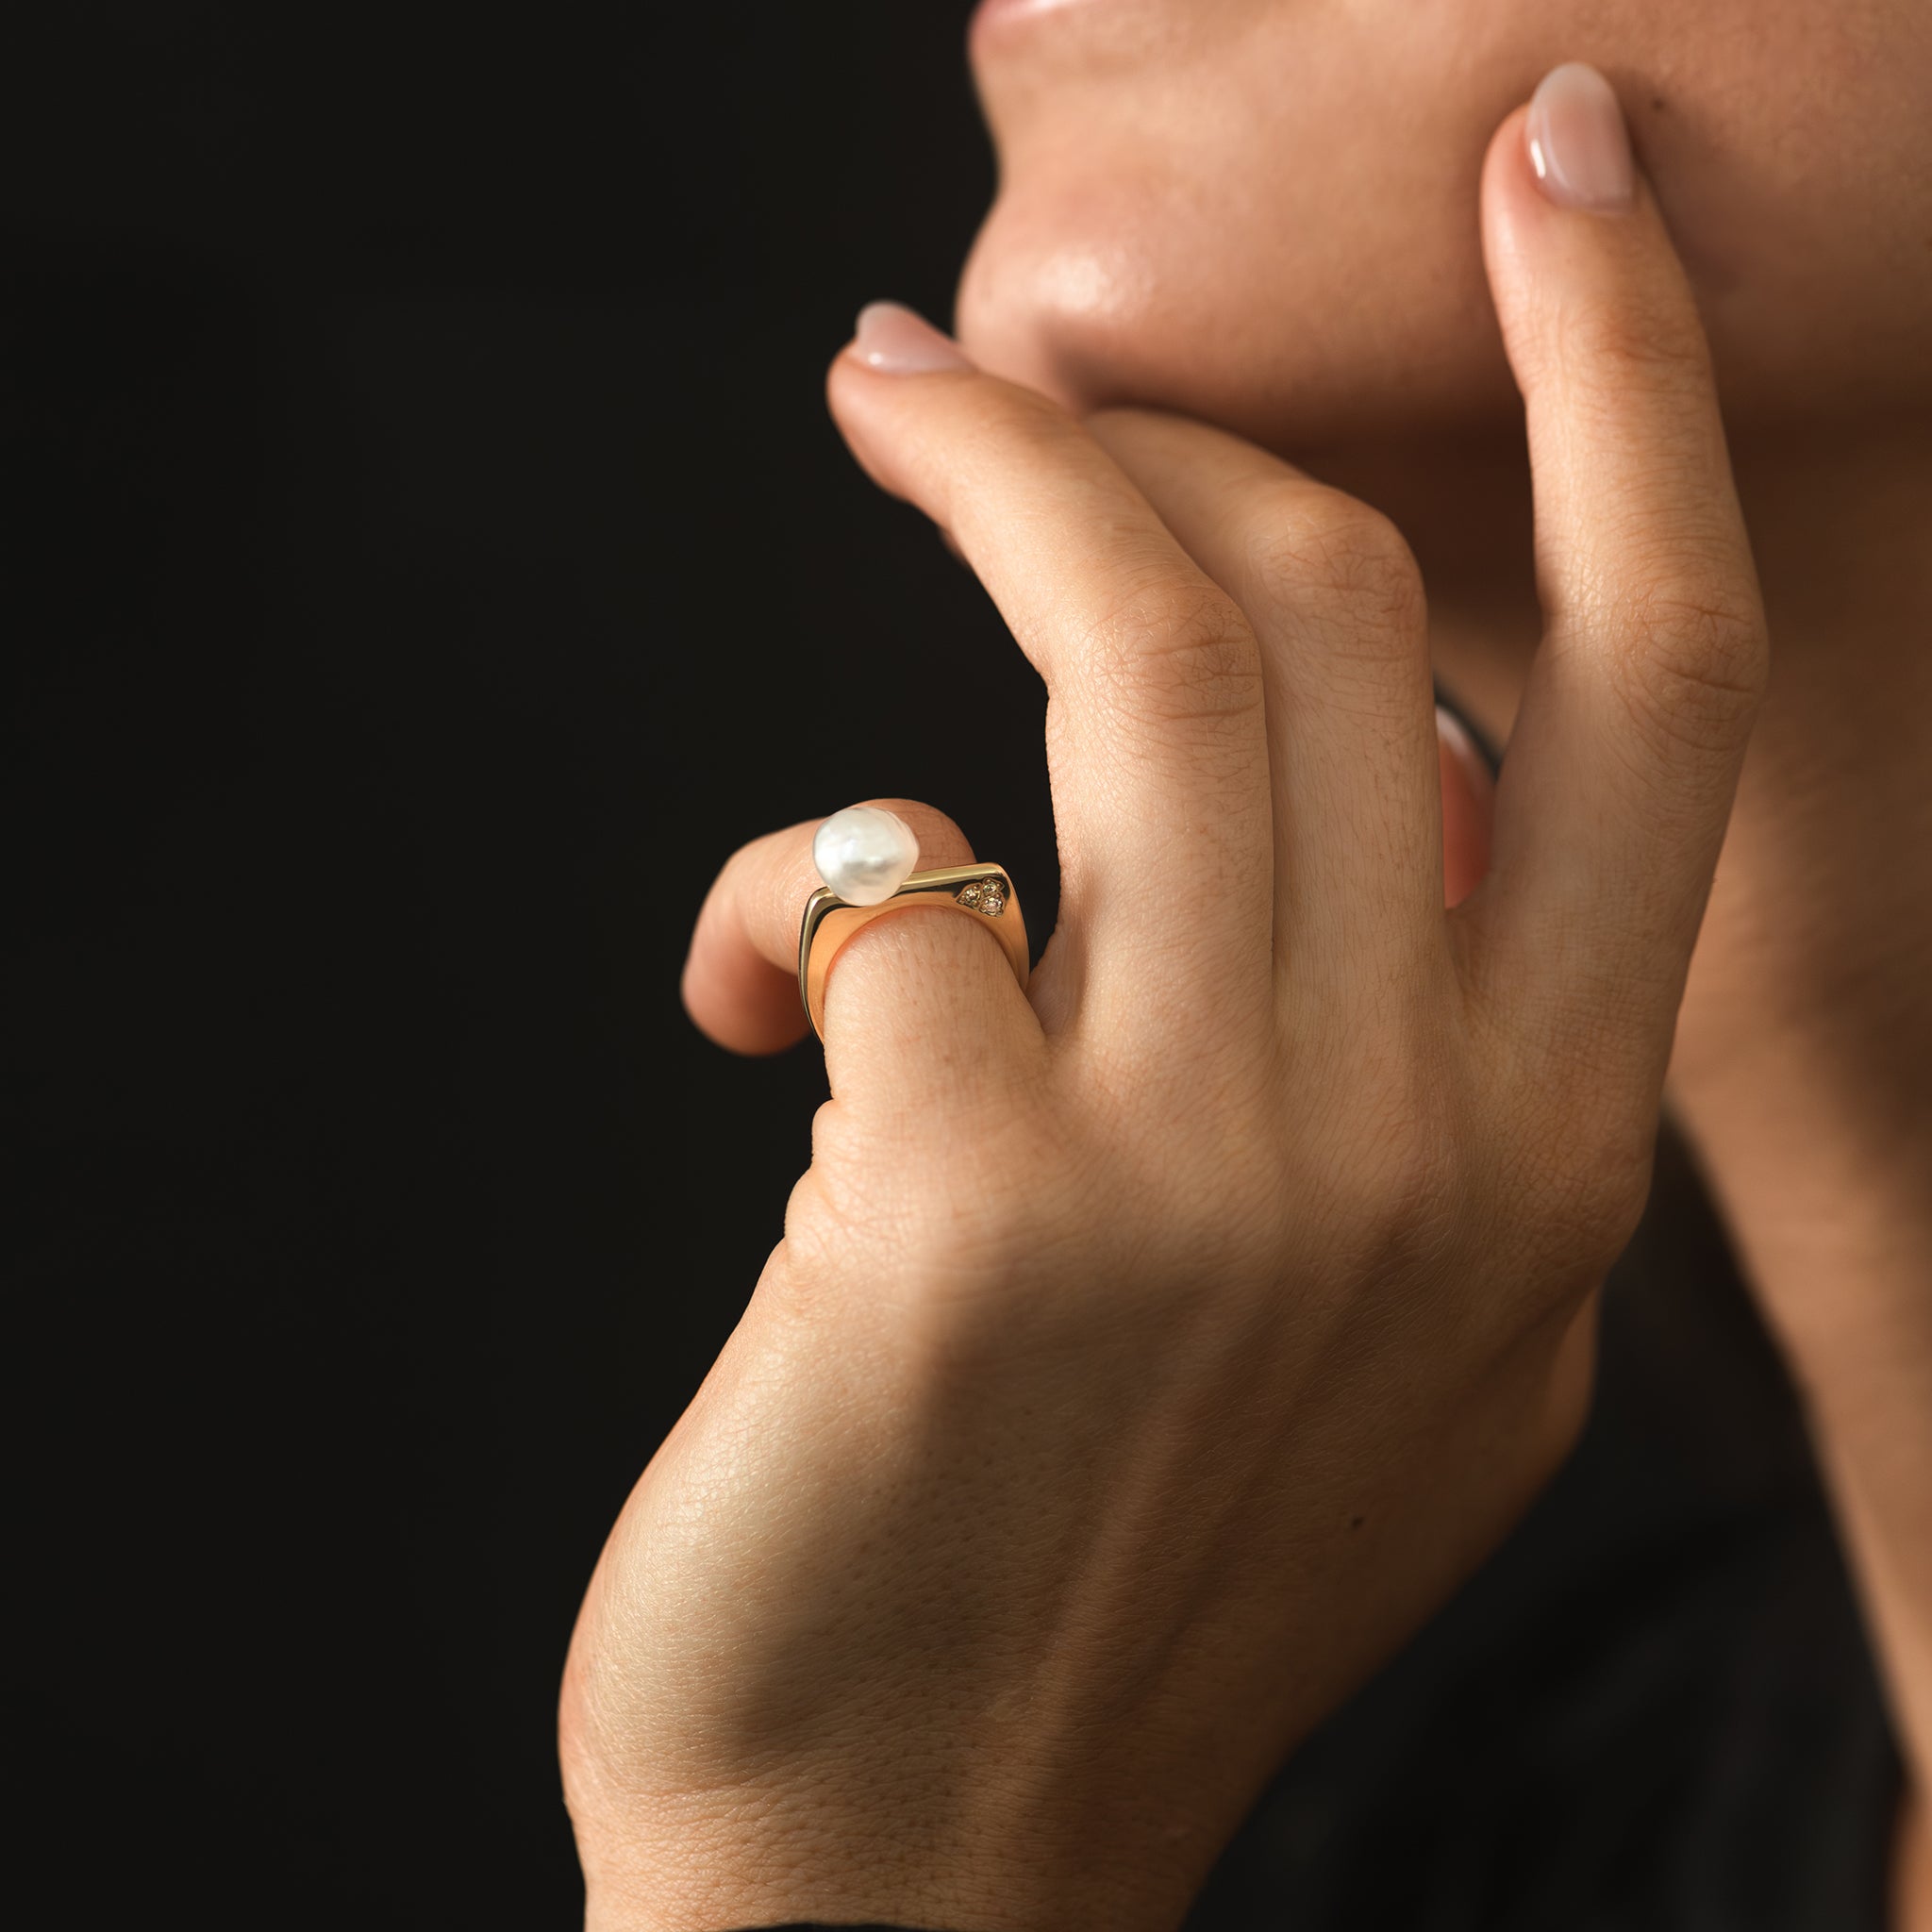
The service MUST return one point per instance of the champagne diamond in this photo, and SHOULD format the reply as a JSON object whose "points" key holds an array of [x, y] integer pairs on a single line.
{"points": [[985, 895]]}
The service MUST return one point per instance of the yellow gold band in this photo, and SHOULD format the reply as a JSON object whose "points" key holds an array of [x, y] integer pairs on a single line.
{"points": [[981, 892]]}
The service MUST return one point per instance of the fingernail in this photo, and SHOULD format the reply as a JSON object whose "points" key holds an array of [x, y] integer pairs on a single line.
{"points": [[1579, 145], [895, 341]]}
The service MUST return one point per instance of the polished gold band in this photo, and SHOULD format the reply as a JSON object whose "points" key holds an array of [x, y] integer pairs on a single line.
{"points": [[981, 892]]}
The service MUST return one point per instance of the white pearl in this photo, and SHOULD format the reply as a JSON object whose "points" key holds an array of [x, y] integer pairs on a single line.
{"points": [[865, 855]]}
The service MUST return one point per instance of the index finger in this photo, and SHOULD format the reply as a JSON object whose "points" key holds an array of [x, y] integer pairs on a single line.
{"points": [[1619, 778], [1155, 729]]}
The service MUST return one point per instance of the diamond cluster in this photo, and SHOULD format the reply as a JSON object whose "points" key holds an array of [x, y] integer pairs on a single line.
{"points": [[985, 895]]}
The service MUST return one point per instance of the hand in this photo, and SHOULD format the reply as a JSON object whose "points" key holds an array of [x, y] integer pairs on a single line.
{"points": [[1147, 1356]]}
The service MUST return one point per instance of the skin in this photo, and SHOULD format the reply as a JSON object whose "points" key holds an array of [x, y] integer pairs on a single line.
{"points": [[1260, 213], [1116, 1402], [1197, 246]]}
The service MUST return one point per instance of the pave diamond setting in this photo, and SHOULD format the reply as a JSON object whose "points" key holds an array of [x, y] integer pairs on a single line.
{"points": [[984, 895]]}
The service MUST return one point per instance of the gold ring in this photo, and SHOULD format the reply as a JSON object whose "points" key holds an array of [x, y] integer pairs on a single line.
{"points": [[981, 892]]}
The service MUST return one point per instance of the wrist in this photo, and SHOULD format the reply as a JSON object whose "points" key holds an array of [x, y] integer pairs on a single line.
{"points": [[746, 1859]]}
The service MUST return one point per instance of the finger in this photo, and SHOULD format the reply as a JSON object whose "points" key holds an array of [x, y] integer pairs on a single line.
{"points": [[1625, 754], [903, 988], [1469, 804], [741, 976], [1336, 603], [1155, 732]]}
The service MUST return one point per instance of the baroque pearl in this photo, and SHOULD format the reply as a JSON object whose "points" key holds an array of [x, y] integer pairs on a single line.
{"points": [[864, 854]]}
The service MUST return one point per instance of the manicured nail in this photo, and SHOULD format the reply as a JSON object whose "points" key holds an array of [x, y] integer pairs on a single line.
{"points": [[892, 339], [1579, 145]]}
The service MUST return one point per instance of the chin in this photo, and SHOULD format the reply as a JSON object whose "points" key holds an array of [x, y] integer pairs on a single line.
{"points": [[1370, 358], [1297, 338]]}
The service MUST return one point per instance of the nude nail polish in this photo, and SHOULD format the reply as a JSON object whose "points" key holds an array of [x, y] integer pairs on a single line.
{"points": [[890, 339], [1579, 145]]}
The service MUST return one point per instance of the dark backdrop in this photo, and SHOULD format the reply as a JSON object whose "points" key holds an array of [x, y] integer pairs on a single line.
{"points": [[426, 555]]}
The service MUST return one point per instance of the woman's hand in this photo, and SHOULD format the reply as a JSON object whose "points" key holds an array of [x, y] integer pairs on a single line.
{"points": [[1146, 1356]]}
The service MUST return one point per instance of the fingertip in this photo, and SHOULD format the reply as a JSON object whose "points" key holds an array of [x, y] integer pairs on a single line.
{"points": [[1577, 143], [1583, 272], [1511, 212], [866, 390], [1508, 153], [1567, 149], [1505, 171], [1524, 229], [891, 340], [736, 985], [737, 1000]]}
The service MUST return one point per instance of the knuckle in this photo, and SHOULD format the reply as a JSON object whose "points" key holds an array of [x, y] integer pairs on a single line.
{"points": [[942, 839], [1396, 1182], [1694, 671], [1176, 648], [1602, 1210], [1329, 548], [1595, 1188], [1653, 343], [964, 1207]]}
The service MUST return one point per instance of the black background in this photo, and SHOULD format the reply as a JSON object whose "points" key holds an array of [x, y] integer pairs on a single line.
{"points": [[426, 557]]}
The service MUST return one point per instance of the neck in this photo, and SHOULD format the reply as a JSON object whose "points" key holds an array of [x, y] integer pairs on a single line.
{"points": [[1806, 1031]]}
